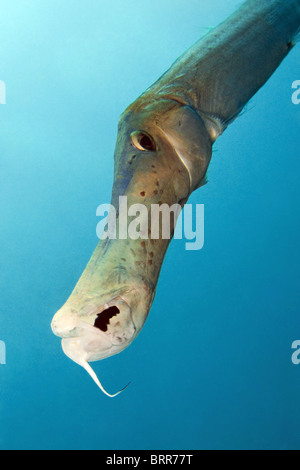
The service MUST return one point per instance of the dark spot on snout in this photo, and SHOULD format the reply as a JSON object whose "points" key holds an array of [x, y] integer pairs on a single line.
{"points": [[143, 194], [131, 160], [103, 318]]}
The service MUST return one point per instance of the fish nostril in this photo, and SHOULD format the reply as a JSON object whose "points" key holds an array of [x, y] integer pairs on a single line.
{"points": [[103, 318]]}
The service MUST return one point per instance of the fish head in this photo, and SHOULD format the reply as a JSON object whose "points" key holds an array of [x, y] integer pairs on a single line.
{"points": [[162, 153], [161, 143]]}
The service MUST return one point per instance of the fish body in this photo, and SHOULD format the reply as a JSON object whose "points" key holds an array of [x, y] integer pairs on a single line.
{"points": [[163, 150]]}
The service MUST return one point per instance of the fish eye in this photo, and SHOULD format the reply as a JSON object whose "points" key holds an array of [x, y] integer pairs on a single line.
{"points": [[143, 141]]}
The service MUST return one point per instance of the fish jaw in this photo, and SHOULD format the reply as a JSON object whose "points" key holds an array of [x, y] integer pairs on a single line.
{"points": [[100, 329], [95, 336]]}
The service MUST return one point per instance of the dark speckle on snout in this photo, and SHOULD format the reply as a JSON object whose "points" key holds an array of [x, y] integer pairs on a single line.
{"points": [[131, 160]]}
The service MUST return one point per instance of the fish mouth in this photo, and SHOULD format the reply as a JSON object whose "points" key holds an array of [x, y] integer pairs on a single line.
{"points": [[105, 331], [94, 325]]}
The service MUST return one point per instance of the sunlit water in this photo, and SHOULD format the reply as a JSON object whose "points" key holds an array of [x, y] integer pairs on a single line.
{"points": [[212, 367]]}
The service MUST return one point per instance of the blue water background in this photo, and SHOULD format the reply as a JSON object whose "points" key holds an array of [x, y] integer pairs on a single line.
{"points": [[212, 367]]}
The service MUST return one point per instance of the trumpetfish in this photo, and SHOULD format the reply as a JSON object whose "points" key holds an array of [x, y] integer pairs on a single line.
{"points": [[163, 150]]}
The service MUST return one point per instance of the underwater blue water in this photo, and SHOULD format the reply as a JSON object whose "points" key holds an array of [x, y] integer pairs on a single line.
{"points": [[212, 367]]}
